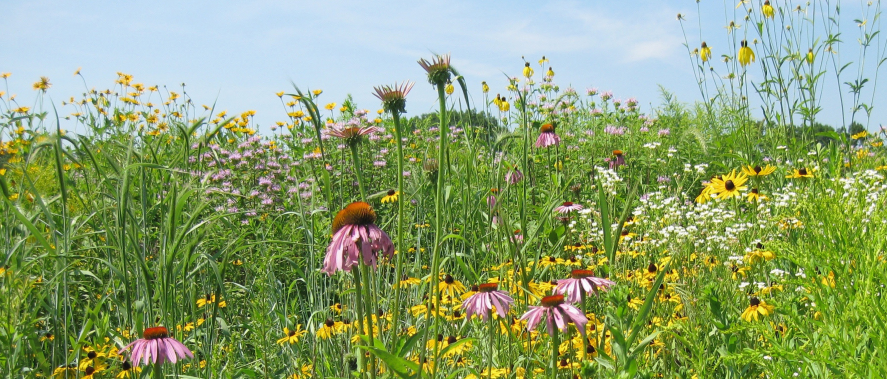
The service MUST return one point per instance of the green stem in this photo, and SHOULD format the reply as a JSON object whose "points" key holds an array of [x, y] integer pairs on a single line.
{"points": [[158, 370], [554, 347], [370, 312], [492, 331], [360, 356], [398, 266], [357, 171], [438, 220]]}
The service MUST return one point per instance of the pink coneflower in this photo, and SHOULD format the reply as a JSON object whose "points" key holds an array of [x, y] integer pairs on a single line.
{"points": [[556, 313], [514, 176], [438, 69], [352, 134], [394, 97], [617, 160], [581, 281], [156, 347], [568, 207], [547, 137], [482, 302], [355, 234]]}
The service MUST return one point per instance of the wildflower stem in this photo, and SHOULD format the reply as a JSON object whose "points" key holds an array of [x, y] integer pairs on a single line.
{"points": [[157, 370], [356, 160], [492, 329], [398, 266], [554, 347], [370, 312], [359, 302], [438, 219]]}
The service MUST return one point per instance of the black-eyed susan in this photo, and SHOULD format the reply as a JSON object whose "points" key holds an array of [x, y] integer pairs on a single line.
{"points": [[292, 336], [754, 196], [746, 54], [210, 299], [450, 286], [634, 302], [799, 173], [127, 370], [390, 197], [449, 89], [756, 309], [860, 135], [705, 195], [329, 329], [484, 87], [810, 56], [409, 281], [729, 185], [758, 170], [738, 271], [759, 254]]}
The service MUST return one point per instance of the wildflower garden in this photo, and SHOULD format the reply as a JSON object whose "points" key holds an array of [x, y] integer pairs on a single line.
{"points": [[534, 231]]}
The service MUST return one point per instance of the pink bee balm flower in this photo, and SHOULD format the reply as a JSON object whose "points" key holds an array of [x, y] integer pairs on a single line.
{"points": [[355, 234], [581, 280], [548, 137], [556, 313], [482, 302], [568, 207], [156, 347]]}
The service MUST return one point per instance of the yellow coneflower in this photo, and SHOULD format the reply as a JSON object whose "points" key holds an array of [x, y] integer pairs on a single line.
{"points": [[810, 56], [756, 308], [738, 271], [758, 170], [746, 54], [549, 73], [634, 302], [316, 92], [543, 60], [390, 197], [329, 329], [767, 9], [800, 173], [528, 71], [705, 52], [729, 185], [547, 261], [292, 336], [449, 88], [759, 254]]}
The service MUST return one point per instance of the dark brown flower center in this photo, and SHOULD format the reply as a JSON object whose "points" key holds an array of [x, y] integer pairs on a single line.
{"points": [[754, 191], [757, 169], [356, 213], [391, 192], [547, 128], [125, 366], [729, 185], [488, 287], [449, 279], [802, 171], [553, 300], [155, 332], [451, 339], [89, 370], [92, 355], [568, 203], [329, 323], [755, 301], [579, 274], [652, 268], [590, 349]]}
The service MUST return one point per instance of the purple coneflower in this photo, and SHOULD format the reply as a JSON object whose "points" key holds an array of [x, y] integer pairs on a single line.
{"points": [[483, 301], [394, 97], [352, 134], [514, 176], [156, 347], [547, 137], [355, 234], [556, 313], [617, 160], [581, 281], [438, 69], [568, 207]]}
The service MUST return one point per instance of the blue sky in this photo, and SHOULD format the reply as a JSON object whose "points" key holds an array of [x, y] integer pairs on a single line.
{"points": [[239, 54]]}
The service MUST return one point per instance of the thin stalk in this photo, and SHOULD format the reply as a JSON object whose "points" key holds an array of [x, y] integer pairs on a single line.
{"points": [[360, 360], [554, 346], [438, 219], [370, 312], [398, 266]]}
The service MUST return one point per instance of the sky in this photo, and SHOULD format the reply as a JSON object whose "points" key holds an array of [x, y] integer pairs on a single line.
{"points": [[239, 54]]}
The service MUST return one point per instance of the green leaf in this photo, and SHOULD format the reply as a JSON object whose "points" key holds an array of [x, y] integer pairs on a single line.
{"points": [[398, 365]]}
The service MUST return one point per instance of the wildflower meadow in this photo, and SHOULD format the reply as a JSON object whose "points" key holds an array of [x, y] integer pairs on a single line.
{"points": [[530, 230]]}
